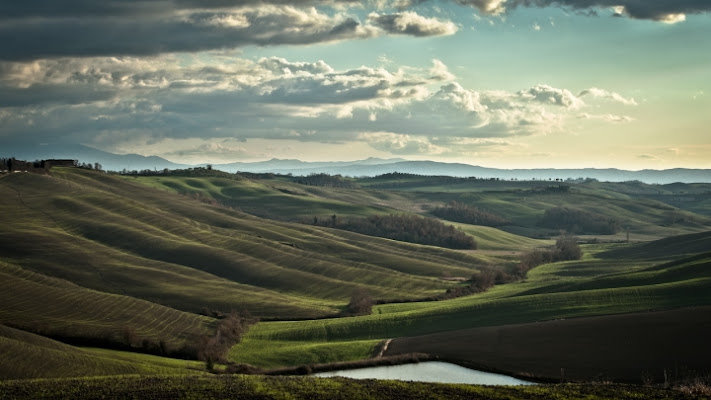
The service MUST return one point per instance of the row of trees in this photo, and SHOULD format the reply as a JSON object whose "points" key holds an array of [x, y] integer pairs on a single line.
{"points": [[326, 180], [406, 228], [579, 222], [229, 332], [467, 214], [566, 249]]}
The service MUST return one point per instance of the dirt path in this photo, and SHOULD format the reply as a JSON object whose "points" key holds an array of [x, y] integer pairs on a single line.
{"points": [[384, 349]]}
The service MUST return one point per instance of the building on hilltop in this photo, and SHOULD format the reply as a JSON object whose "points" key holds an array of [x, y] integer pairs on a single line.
{"points": [[43, 166], [59, 163]]}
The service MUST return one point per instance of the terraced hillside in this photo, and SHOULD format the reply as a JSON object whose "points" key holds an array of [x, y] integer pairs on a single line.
{"points": [[57, 308], [114, 236], [149, 262], [26, 355]]}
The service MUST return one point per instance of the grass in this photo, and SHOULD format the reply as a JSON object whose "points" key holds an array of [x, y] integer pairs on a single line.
{"points": [[589, 287], [293, 388], [83, 255], [57, 308], [291, 353], [131, 240], [620, 348], [26, 355], [638, 207]]}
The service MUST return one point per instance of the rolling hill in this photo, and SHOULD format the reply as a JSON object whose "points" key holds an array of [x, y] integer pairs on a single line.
{"points": [[151, 262], [594, 286]]}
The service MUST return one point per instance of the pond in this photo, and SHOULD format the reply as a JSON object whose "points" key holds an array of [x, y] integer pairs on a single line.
{"points": [[429, 371]]}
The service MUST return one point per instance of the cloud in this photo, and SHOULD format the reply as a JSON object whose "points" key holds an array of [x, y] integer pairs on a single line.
{"points": [[666, 11], [440, 72], [550, 95], [648, 157], [39, 29], [606, 117], [400, 144], [486, 6], [175, 32], [281, 66], [410, 23], [111, 102], [601, 93]]}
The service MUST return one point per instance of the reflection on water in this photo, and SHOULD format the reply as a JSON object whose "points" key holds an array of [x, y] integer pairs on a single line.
{"points": [[430, 371]]}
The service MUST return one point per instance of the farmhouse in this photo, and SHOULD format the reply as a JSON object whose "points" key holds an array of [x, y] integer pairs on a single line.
{"points": [[14, 165], [59, 163]]}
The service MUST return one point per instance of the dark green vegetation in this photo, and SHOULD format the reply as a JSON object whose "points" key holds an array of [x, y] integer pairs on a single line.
{"points": [[645, 346], [155, 264], [405, 228], [266, 388]]}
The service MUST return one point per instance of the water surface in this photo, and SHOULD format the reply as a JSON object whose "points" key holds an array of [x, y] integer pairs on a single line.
{"points": [[429, 371]]}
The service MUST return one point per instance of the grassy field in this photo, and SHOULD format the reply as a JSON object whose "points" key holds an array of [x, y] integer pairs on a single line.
{"points": [[112, 235], [646, 211], [94, 258], [596, 285], [292, 388], [26, 355], [628, 348], [57, 308]]}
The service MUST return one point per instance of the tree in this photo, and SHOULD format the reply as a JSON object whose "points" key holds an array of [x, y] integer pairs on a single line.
{"points": [[567, 248], [361, 303]]}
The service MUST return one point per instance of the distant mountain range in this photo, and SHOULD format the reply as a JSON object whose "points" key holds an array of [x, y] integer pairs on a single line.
{"points": [[367, 167]]}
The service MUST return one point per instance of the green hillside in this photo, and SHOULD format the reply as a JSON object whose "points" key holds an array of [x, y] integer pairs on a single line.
{"points": [[53, 307], [150, 264], [645, 211], [27, 355], [595, 285]]}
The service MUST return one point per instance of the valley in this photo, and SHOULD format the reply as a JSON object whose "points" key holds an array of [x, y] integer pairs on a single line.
{"points": [[107, 274]]}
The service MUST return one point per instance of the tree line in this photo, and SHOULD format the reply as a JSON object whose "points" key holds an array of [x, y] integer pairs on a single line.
{"points": [[326, 180], [578, 221], [464, 213], [406, 228]]}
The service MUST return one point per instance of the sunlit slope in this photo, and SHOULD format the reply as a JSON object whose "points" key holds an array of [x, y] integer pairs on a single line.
{"points": [[635, 206], [592, 286], [488, 238], [641, 217], [280, 198], [113, 235], [26, 355]]}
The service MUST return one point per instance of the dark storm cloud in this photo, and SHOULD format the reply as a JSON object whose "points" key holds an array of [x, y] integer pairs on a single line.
{"points": [[135, 8], [647, 9], [36, 29], [658, 10], [43, 38]]}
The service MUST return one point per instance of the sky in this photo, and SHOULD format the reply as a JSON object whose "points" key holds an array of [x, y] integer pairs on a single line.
{"points": [[495, 83]]}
